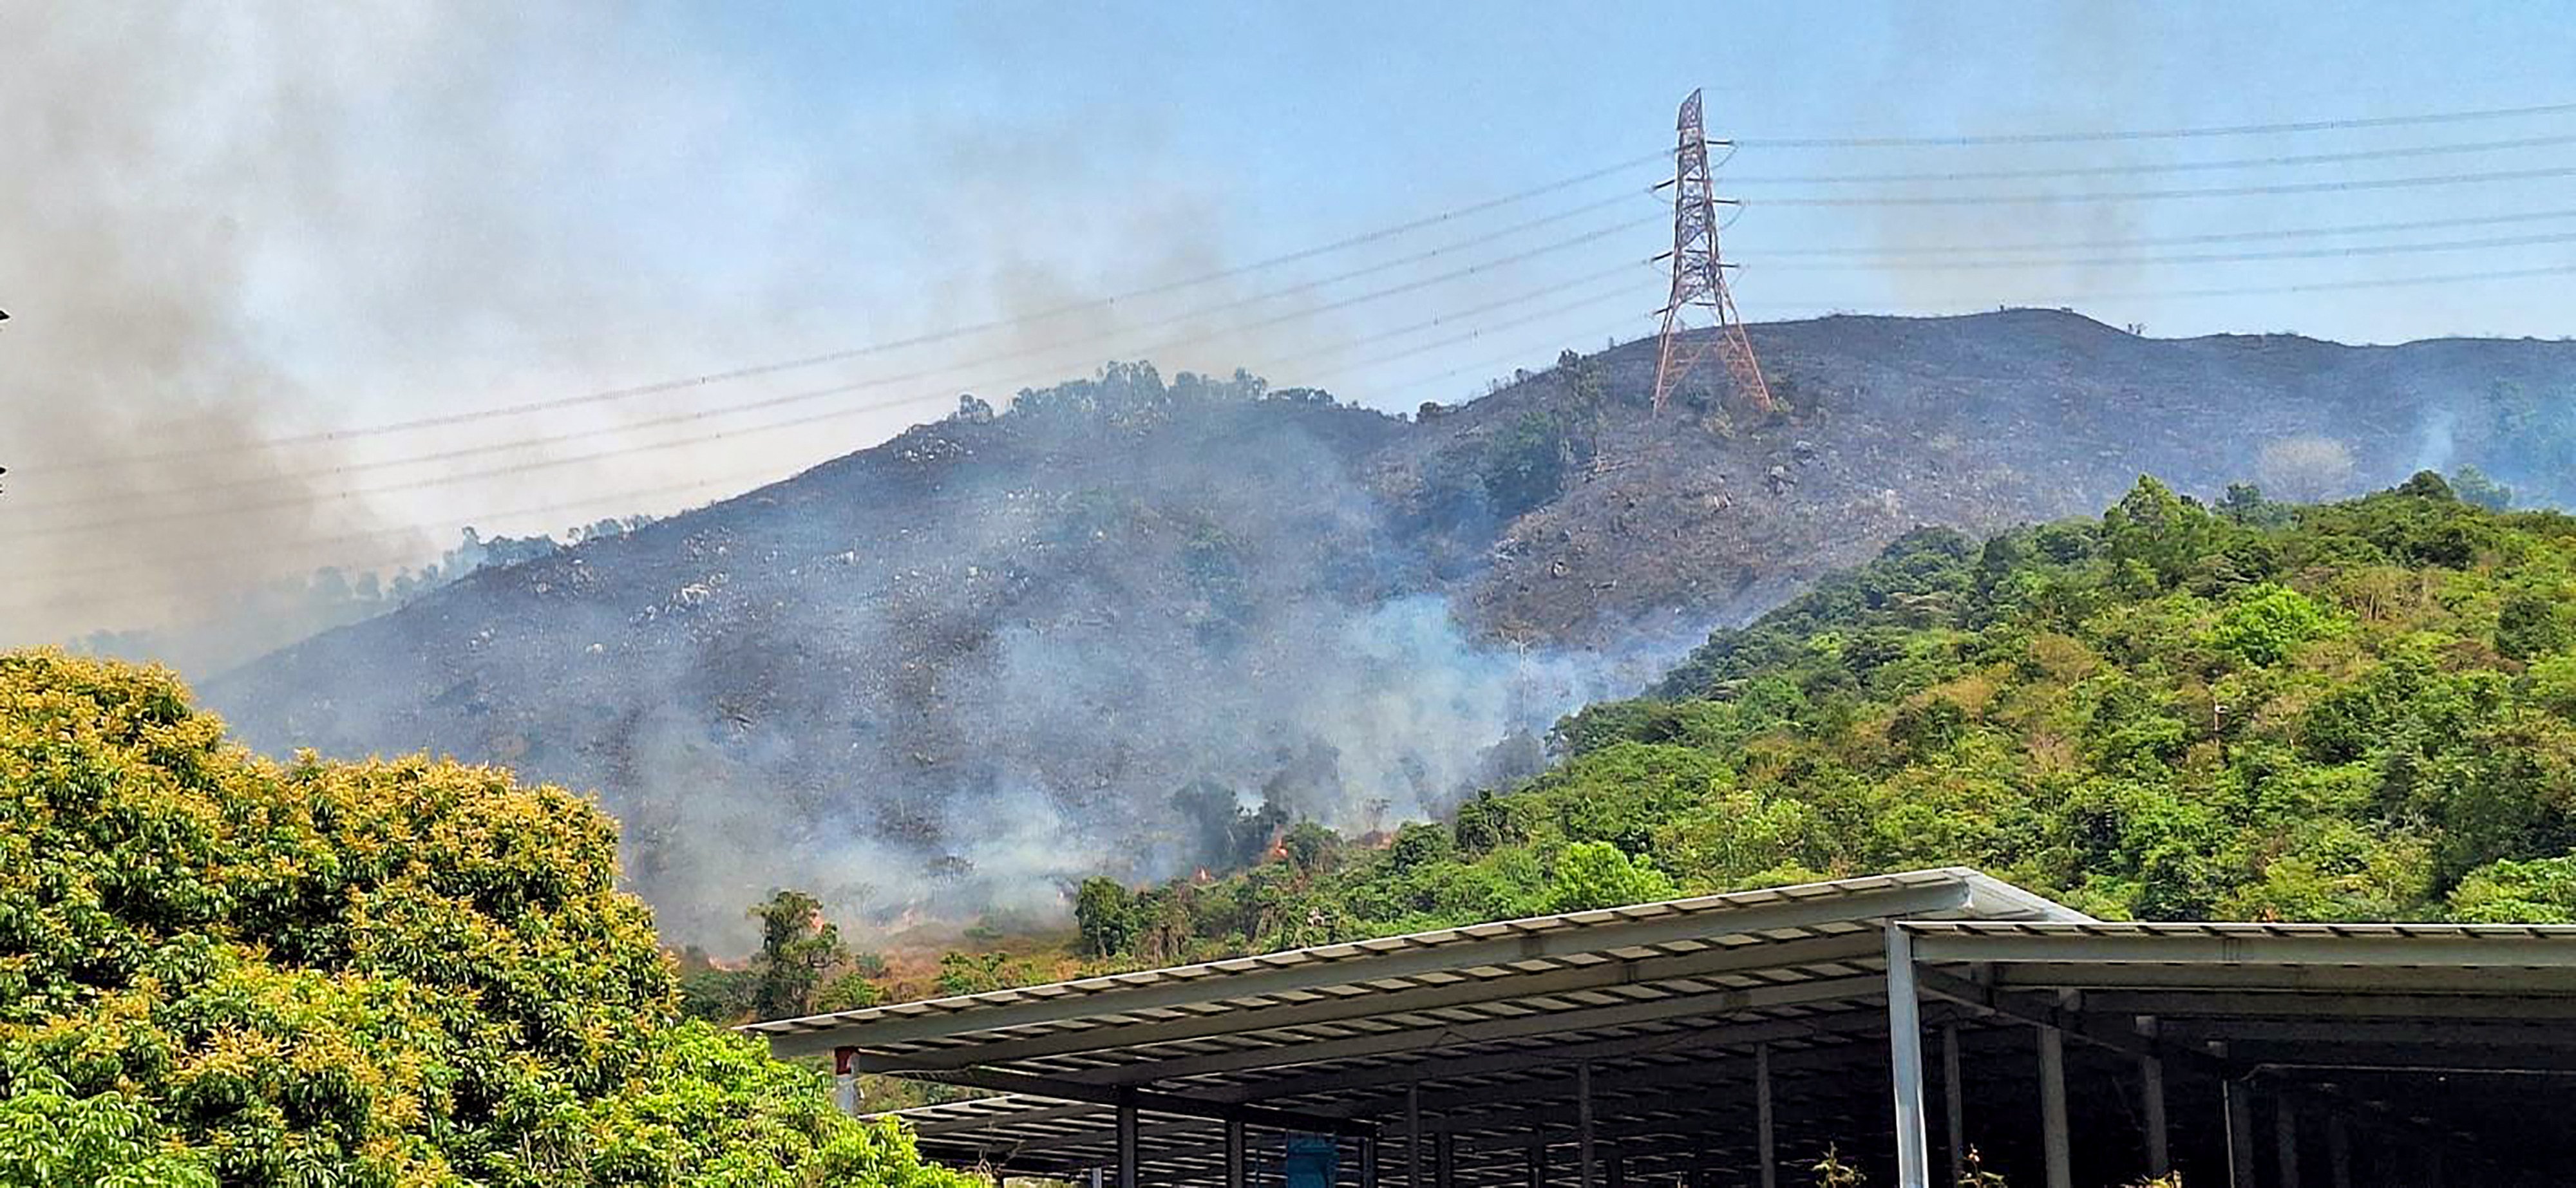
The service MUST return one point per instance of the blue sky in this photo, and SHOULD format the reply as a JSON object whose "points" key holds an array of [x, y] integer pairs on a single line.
{"points": [[401, 211], [1307, 121]]}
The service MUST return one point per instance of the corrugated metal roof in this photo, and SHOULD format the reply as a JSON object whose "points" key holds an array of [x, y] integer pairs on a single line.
{"points": [[1665, 1004], [2222, 929], [1475, 954]]}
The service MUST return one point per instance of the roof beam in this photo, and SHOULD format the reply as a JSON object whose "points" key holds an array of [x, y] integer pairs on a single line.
{"points": [[2182, 1004], [1448, 1035], [2452, 1032], [2296, 979], [1253, 978], [1833, 950], [2249, 947], [1175, 1104], [1804, 1027], [934, 1127]]}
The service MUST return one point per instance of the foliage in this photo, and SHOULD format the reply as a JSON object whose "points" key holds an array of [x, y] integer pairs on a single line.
{"points": [[1832, 1172], [1591, 874], [797, 946], [2475, 486], [1524, 464], [2356, 710], [217, 969], [1103, 914]]}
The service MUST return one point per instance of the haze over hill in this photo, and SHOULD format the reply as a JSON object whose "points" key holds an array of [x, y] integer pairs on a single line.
{"points": [[955, 672]]}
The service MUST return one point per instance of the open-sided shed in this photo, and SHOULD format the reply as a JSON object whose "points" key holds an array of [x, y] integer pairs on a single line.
{"points": [[1899, 1020]]}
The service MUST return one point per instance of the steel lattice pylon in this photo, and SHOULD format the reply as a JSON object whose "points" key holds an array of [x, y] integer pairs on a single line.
{"points": [[1699, 278]]}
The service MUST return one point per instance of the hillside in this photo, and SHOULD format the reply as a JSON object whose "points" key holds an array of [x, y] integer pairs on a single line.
{"points": [[1132, 625], [2364, 710]]}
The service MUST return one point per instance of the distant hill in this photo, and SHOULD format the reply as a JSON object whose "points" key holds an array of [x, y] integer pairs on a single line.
{"points": [[1138, 626]]}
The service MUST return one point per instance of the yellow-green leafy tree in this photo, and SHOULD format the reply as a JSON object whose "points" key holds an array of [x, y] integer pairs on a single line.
{"points": [[216, 969]]}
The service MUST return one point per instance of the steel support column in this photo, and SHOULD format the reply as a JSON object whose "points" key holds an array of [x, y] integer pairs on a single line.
{"points": [[1538, 1165], [2339, 1150], [1236, 1174], [1768, 1152], [2285, 1140], [1368, 1163], [1583, 1154], [2151, 1091], [2240, 1134], [1413, 1135], [1127, 1144], [2052, 1107], [1954, 1106], [1905, 1063]]}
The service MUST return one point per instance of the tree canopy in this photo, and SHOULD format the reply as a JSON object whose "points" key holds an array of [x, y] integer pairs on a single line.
{"points": [[215, 969]]}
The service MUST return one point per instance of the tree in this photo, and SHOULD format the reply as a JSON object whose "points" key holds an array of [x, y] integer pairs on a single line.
{"points": [[2475, 486], [1104, 914], [226, 970], [1599, 875], [1524, 464], [2540, 891], [2529, 626], [2268, 622], [797, 945]]}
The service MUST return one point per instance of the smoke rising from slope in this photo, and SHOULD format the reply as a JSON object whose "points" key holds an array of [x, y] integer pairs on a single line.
{"points": [[233, 224], [127, 272]]}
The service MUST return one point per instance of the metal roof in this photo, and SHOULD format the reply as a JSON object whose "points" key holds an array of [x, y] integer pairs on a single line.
{"points": [[1449, 957], [1482, 1033]]}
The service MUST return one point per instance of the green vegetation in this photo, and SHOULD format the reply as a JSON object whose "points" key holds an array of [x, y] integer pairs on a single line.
{"points": [[219, 970], [2253, 711]]}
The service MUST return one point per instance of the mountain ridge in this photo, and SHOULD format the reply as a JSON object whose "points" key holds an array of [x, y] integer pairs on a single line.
{"points": [[957, 671]]}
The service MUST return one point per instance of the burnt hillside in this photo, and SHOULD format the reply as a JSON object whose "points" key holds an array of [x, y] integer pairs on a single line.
{"points": [[1130, 625]]}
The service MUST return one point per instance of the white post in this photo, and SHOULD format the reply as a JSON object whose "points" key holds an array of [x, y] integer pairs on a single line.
{"points": [[1762, 1116], [2151, 1078], [1954, 1105], [2052, 1107], [1905, 1060], [845, 1080]]}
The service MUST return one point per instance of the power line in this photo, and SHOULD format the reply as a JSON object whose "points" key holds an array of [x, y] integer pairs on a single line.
{"points": [[608, 395], [763, 476], [2396, 282], [2074, 299], [2188, 240], [2323, 187], [203, 511], [923, 375], [2152, 167], [2448, 117], [2381, 249]]}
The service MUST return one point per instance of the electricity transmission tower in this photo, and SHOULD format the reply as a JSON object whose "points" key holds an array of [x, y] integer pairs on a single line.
{"points": [[1699, 279]]}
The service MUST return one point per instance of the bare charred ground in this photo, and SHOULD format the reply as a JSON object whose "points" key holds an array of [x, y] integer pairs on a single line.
{"points": [[946, 673]]}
